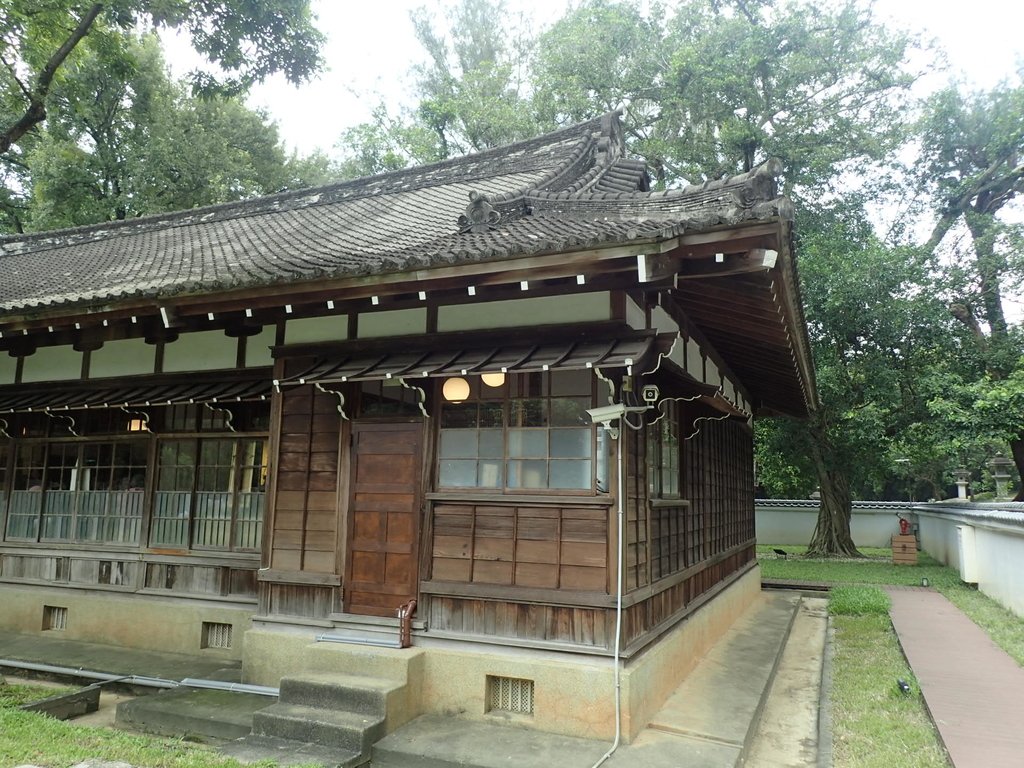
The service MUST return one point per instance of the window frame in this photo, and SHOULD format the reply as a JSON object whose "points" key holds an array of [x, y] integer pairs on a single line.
{"points": [[58, 448], [515, 422], [664, 447]]}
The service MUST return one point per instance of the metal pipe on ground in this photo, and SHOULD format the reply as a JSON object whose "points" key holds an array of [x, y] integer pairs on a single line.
{"points": [[141, 680]]}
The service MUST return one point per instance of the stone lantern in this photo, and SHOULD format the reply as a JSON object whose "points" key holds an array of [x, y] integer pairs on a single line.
{"points": [[962, 477], [1000, 467]]}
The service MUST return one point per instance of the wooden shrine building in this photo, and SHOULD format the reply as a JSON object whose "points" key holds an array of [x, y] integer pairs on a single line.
{"points": [[253, 429]]}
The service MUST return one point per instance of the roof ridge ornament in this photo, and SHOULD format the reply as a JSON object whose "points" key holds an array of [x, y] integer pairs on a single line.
{"points": [[480, 215]]}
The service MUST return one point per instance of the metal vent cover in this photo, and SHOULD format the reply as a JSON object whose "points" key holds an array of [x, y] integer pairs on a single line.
{"points": [[216, 635], [55, 617], [509, 694]]}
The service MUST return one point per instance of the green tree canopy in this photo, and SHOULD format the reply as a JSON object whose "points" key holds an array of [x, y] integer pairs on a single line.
{"points": [[247, 41]]}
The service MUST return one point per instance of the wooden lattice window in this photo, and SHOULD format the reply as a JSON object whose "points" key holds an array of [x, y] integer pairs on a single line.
{"points": [[530, 432]]}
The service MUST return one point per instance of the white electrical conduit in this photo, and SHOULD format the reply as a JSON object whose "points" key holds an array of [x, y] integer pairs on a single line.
{"points": [[620, 515]]}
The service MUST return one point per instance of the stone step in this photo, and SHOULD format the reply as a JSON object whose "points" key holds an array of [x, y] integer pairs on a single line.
{"points": [[435, 741], [707, 723], [391, 663], [285, 752], [337, 729], [192, 713], [353, 693]]}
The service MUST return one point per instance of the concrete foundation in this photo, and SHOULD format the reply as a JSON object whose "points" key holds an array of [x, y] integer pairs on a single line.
{"points": [[573, 693], [131, 620]]}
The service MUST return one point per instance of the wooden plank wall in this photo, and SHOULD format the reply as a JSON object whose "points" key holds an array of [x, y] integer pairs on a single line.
{"points": [[719, 476], [176, 577], [592, 627], [548, 547], [305, 505], [637, 524]]}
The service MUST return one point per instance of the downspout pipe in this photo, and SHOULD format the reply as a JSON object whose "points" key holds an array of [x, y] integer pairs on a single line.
{"points": [[620, 528]]}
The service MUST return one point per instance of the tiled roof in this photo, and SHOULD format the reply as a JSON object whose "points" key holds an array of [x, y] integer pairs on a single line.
{"points": [[562, 191]]}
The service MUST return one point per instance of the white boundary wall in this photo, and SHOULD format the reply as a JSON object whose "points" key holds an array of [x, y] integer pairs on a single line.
{"points": [[998, 545], [792, 521]]}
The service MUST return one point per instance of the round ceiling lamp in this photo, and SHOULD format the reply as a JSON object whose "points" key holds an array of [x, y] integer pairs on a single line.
{"points": [[493, 379], [455, 390]]}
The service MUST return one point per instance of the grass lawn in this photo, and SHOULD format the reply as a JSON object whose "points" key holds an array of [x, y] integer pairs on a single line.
{"points": [[874, 723], [1005, 628], [27, 737]]}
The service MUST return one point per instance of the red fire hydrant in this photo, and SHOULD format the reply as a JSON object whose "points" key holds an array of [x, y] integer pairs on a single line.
{"points": [[904, 526]]}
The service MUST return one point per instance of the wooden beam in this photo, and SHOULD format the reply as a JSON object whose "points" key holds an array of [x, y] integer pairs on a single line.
{"points": [[754, 260]]}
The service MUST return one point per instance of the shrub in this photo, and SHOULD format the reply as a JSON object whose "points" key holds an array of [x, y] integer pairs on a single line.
{"points": [[858, 601]]}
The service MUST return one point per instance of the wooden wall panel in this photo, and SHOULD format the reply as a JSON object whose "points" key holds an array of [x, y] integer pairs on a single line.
{"points": [[304, 535], [526, 622], [523, 546]]}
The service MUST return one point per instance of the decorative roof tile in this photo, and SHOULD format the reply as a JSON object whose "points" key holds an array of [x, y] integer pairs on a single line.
{"points": [[568, 189]]}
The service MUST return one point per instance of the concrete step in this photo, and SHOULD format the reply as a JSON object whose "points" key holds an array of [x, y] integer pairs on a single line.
{"points": [[434, 741], [337, 729], [721, 701], [284, 752], [345, 659], [790, 728], [707, 723], [191, 713], [352, 693]]}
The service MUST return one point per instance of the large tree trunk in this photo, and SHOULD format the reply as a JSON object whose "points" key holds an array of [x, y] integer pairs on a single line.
{"points": [[1017, 451], [832, 536]]}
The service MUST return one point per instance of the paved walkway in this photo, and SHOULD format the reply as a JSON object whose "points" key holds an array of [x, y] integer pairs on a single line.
{"points": [[974, 690]]}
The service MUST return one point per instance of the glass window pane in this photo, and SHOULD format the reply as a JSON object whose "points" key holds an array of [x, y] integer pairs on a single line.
{"points": [[570, 412], [528, 413], [490, 474], [570, 474], [459, 443], [492, 415], [457, 473], [603, 460], [459, 415], [491, 443], [528, 474], [570, 443], [527, 442]]}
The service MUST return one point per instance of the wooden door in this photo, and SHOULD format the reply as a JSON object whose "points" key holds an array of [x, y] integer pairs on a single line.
{"points": [[384, 512]]}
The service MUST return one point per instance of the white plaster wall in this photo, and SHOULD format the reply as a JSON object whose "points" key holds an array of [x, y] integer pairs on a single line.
{"points": [[8, 368], [636, 318], [257, 348], [125, 357], [201, 351], [795, 525], [999, 547], [309, 329], [52, 364], [541, 310], [397, 322], [1000, 575], [938, 539]]}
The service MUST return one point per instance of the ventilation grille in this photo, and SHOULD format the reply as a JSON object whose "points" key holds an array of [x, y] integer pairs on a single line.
{"points": [[55, 617], [216, 635], [509, 694]]}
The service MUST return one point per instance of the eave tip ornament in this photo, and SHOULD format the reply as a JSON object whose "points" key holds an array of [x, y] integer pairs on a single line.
{"points": [[480, 215]]}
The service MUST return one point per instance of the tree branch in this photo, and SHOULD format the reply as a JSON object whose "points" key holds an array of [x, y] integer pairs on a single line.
{"points": [[35, 112]]}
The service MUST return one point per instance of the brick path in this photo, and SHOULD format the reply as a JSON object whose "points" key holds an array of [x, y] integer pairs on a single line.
{"points": [[973, 689]]}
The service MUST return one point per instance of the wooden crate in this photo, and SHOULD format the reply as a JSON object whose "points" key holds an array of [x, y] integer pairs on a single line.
{"points": [[904, 549]]}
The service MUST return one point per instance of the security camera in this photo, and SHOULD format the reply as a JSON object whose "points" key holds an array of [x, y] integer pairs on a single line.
{"points": [[650, 394], [607, 413]]}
